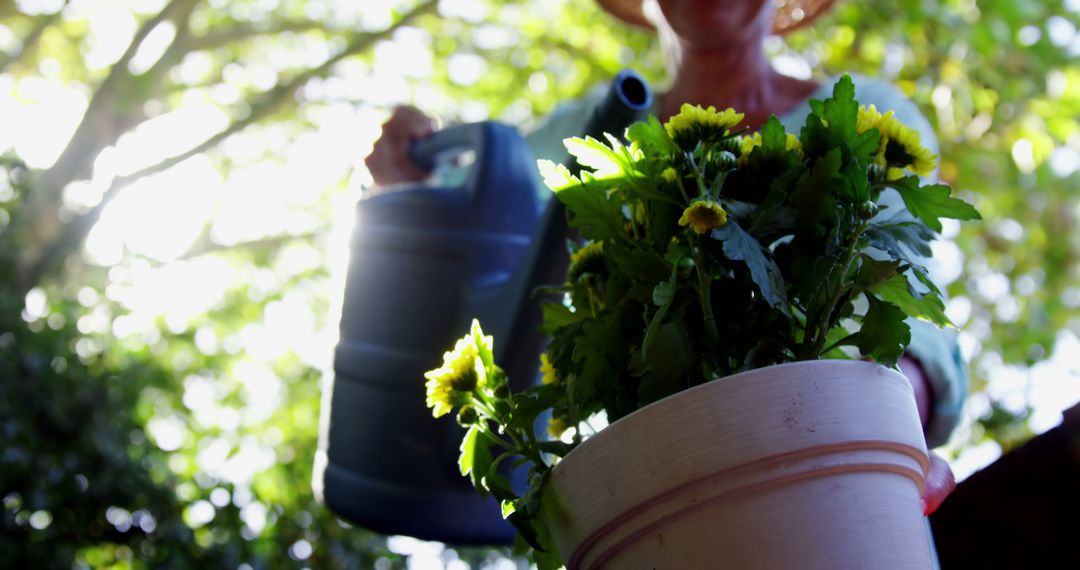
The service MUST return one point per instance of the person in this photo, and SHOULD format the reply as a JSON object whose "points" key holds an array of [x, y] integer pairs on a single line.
{"points": [[714, 51]]}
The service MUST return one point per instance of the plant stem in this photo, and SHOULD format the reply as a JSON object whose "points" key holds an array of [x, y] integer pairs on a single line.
{"points": [[497, 440], [839, 343], [529, 448], [482, 406], [704, 292], [822, 321], [699, 176]]}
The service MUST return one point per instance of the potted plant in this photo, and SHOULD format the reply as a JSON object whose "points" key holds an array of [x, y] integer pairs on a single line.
{"points": [[736, 311]]}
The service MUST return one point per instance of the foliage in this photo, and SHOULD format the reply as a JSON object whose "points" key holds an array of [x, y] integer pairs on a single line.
{"points": [[1001, 85], [186, 417], [784, 251]]}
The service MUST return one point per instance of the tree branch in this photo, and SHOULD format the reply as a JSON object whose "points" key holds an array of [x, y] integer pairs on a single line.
{"points": [[208, 247], [237, 32], [96, 131], [102, 124], [75, 231], [268, 103]]}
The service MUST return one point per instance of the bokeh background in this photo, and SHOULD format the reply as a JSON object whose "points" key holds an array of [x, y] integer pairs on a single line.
{"points": [[176, 189]]}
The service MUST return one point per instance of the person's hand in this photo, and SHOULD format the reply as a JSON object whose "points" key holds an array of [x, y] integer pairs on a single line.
{"points": [[939, 483], [389, 161], [940, 480]]}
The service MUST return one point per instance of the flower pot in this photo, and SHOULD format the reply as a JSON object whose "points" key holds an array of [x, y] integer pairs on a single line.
{"points": [[815, 464]]}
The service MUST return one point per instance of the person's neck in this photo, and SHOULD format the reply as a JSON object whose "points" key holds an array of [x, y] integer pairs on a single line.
{"points": [[740, 78]]}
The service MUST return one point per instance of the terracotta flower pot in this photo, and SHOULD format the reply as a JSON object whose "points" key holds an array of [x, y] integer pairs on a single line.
{"points": [[814, 464]]}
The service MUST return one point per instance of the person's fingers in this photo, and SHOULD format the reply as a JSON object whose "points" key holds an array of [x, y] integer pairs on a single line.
{"points": [[389, 161], [940, 482]]}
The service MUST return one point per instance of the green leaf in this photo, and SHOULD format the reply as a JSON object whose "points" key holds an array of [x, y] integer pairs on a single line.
{"points": [[667, 365], [772, 223], [929, 203], [590, 210], [898, 291], [872, 271], [499, 486], [508, 508], [738, 210], [600, 348], [652, 135], [556, 176], [547, 559], [854, 184], [884, 334], [811, 196], [919, 282], [475, 458], [835, 338], [528, 405], [741, 246], [556, 316], [865, 145], [524, 526], [663, 295], [604, 161], [558, 448], [664, 292], [901, 240], [773, 137], [841, 111], [642, 265]]}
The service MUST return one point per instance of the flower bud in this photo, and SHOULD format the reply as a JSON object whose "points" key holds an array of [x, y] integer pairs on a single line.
{"points": [[467, 416], [867, 210], [726, 159]]}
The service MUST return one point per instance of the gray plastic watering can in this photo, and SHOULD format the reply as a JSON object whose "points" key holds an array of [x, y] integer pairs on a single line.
{"points": [[426, 260]]}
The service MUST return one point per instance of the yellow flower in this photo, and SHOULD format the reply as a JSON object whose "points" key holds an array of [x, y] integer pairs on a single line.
{"points": [[588, 259], [870, 118], [749, 143], [547, 371], [461, 373], [695, 123], [557, 425], [703, 215], [793, 143], [669, 175], [900, 146], [902, 149]]}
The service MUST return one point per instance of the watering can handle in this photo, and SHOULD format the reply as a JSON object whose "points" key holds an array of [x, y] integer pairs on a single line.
{"points": [[500, 183], [426, 152]]}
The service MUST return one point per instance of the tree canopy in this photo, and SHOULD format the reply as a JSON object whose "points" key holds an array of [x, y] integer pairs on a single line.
{"points": [[176, 190]]}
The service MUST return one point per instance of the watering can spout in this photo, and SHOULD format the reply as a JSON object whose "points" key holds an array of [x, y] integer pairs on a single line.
{"points": [[425, 261]]}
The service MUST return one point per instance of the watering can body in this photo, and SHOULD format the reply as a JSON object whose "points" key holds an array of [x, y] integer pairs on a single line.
{"points": [[425, 260]]}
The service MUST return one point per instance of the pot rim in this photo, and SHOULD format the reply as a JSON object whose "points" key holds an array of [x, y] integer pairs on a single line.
{"points": [[711, 384]]}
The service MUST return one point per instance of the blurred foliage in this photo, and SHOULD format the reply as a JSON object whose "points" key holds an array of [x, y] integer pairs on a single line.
{"points": [[1001, 84], [136, 434]]}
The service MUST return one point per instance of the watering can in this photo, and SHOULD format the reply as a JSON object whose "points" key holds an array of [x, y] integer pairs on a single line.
{"points": [[425, 260]]}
